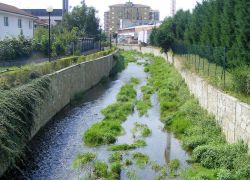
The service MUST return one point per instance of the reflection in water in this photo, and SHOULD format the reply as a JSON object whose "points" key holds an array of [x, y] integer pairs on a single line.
{"points": [[168, 148]]}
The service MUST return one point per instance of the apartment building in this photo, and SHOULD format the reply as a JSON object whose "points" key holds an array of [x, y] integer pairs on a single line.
{"points": [[128, 11]]}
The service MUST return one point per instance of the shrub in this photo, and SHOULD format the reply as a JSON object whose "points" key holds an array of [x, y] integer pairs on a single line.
{"points": [[241, 79], [14, 48]]}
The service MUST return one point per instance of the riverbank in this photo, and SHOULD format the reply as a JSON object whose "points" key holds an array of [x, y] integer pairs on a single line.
{"points": [[24, 110], [231, 114]]}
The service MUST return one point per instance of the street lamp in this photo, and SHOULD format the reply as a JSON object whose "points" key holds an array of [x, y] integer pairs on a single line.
{"points": [[110, 38], [49, 10], [100, 37]]}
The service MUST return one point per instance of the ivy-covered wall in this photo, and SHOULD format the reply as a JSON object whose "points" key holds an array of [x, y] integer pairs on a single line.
{"points": [[25, 110]]}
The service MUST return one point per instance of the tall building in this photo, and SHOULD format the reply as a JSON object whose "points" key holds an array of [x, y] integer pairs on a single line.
{"points": [[128, 11], [154, 15], [65, 7], [106, 21]]}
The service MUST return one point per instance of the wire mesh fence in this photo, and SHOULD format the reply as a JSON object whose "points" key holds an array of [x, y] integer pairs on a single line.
{"points": [[206, 60]]}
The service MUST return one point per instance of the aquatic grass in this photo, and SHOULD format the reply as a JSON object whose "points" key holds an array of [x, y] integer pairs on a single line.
{"points": [[83, 160], [198, 130], [129, 56], [124, 147], [174, 166], [141, 130], [106, 131], [141, 160], [144, 104]]}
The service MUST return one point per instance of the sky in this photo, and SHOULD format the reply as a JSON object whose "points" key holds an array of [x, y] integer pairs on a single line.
{"points": [[102, 5]]}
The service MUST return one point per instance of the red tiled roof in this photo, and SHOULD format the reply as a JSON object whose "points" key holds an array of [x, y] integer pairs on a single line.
{"points": [[13, 9]]}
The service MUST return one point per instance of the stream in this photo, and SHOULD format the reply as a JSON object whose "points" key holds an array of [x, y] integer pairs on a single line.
{"points": [[53, 149]]}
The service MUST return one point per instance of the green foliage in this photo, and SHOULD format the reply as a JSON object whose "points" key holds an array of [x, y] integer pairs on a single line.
{"points": [[141, 130], [173, 166], [100, 169], [241, 79], [197, 130], [83, 18], [14, 48], [223, 23], [125, 147], [115, 157], [141, 159], [106, 131], [83, 159], [18, 108], [129, 56], [145, 103], [25, 74]]}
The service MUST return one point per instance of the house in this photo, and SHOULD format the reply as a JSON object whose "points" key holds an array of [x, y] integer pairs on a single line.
{"points": [[14, 21]]}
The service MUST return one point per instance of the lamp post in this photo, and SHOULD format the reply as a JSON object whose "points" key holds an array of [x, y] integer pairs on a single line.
{"points": [[100, 37], [110, 38], [49, 10]]}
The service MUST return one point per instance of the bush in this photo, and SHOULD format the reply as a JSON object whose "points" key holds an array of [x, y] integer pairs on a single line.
{"points": [[15, 48], [241, 79]]}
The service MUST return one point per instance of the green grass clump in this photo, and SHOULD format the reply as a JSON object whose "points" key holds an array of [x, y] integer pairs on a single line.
{"points": [[125, 147], [106, 131], [144, 104], [140, 159], [173, 166], [100, 170], [115, 157], [82, 160], [141, 130], [129, 56]]}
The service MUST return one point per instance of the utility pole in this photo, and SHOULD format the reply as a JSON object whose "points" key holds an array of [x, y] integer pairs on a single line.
{"points": [[173, 7]]}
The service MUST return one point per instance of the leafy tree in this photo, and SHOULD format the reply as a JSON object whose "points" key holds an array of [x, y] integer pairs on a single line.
{"points": [[84, 19]]}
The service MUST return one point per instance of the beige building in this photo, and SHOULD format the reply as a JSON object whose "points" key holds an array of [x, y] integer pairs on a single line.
{"points": [[128, 11]]}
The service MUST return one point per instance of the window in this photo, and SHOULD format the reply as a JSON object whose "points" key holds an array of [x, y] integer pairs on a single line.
{"points": [[19, 23], [30, 24], [6, 21]]}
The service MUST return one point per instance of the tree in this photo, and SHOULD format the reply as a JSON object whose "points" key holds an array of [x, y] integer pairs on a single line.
{"points": [[84, 19]]}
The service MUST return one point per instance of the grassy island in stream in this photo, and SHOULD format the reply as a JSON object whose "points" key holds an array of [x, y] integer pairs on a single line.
{"points": [[106, 131]]}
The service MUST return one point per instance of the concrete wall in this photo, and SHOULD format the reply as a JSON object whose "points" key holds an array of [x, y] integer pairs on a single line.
{"points": [[68, 82], [232, 115], [64, 85]]}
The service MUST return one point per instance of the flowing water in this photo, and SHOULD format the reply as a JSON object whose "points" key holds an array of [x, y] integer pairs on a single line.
{"points": [[53, 149]]}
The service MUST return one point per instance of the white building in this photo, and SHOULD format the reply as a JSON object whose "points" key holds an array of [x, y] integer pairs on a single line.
{"points": [[14, 21], [136, 34]]}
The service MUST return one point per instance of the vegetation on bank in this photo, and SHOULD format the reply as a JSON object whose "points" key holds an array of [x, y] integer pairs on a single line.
{"points": [[79, 23], [17, 113], [27, 73], [212, 156], [218, 32], [106, 131]]}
